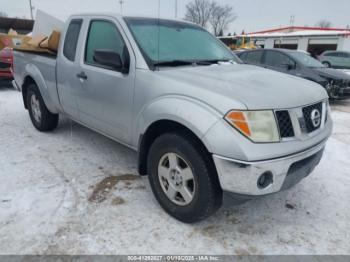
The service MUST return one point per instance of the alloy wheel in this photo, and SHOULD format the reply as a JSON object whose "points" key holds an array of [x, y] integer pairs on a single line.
{"points": [[176, 179], [35, 106]]}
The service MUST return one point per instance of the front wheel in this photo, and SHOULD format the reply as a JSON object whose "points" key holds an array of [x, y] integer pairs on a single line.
{"points": [[42, 119], [183, 179]]}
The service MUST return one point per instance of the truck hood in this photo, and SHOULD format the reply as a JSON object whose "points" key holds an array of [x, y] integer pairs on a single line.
{"points": [[257, 88]]}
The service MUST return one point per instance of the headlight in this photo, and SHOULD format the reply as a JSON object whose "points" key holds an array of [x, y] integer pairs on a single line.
{"points": [[258, 126]]}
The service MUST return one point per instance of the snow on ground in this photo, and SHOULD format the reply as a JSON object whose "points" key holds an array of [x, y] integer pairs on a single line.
{"points": [[51, 200]]}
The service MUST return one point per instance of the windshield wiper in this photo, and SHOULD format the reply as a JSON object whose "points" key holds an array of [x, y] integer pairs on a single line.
{"points": [[215, 61], [189, 62], [173, 63]]}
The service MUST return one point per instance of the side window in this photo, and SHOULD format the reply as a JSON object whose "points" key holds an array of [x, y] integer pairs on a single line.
{"points": [[343, 55], [71, 39], [277, 59], [332, 54], [243, 56], [254, 57], [104, 35]]}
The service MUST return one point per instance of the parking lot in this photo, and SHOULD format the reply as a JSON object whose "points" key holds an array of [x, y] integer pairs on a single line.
{"points": [[74, 191]]}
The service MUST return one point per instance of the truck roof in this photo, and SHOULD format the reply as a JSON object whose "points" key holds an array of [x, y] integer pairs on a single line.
{"points": [[119, 16], [98, 14]]}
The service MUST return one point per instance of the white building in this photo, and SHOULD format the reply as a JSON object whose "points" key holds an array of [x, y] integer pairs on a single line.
{"points": [[311, 39]]}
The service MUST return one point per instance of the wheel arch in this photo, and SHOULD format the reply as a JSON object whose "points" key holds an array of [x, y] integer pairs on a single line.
{"points": [[159, 128], [172, 113], [34, 76], [327, 62]]}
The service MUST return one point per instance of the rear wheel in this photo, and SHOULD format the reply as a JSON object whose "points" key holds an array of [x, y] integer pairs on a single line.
{"points": [[182, 178], [326, 64], [42, 119]]}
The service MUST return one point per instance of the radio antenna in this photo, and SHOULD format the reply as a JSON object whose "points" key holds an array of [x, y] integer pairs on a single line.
{"points": [[175, 9], [158, 31], [121, 2], [31, 9]]}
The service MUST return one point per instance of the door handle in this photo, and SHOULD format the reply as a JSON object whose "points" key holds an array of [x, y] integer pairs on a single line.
{"points": [[82, 75]]}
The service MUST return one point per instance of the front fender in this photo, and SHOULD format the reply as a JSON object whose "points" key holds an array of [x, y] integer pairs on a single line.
{"points": [[48, 95], [191, 113]]}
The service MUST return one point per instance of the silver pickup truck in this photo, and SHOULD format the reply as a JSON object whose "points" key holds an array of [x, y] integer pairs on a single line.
{"points": [[201, 121]]}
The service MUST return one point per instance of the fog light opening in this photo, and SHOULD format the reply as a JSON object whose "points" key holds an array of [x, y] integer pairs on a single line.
{"points": [[265, 180]]}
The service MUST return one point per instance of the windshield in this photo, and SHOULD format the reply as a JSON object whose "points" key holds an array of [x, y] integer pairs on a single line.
{"points": [[163, 41], [306, 59]]}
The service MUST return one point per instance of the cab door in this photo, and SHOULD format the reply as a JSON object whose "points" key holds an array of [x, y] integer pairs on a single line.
{"points": [[68, 84], [105, 98]]}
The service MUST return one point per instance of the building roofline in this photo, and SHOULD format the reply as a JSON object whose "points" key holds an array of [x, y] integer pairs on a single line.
{"points": [[298, 28]]}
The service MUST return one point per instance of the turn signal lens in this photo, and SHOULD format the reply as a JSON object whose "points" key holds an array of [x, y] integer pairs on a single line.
{"points": [[239, 121], [259, 126]]}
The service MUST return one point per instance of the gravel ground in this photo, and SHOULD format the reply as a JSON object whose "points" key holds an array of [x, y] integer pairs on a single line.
{"points": [[76, 192]]}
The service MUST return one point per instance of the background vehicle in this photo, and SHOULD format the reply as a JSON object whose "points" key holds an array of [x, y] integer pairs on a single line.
{"points": [[200, 121], [335, 59], [6, 64], [238, 42], [337, 83]]}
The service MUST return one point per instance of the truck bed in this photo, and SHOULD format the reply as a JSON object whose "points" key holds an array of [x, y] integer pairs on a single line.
{"points": [[44, 63], [42, 69]]}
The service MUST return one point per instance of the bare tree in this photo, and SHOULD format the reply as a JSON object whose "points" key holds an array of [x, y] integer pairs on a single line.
{"points": [[324, 23], [198, 12], [221, 17], [204, 12], [3, 14]]}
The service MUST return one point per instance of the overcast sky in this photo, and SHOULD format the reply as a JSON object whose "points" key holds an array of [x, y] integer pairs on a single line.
{"points": [[253, 15]]}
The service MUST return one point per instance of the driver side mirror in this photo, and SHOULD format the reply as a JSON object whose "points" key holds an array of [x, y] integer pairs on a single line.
{"points": [[110, 59]]}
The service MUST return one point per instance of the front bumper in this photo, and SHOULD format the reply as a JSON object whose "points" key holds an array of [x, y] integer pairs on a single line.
{"points": [[338, 91], [242, 177]]}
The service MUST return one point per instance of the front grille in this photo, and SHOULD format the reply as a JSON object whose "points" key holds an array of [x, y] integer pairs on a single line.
{"points": [[307, 113], [285, 124]]}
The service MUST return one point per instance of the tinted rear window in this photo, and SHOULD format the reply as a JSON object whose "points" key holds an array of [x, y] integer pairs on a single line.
{"points": [[276, 59], [254, 57], [242, 55], [71, 40]]}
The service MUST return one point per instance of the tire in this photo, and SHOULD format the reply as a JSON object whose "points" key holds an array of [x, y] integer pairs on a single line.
{"points": [[205, 187], [46, 121], [327, 64]]}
